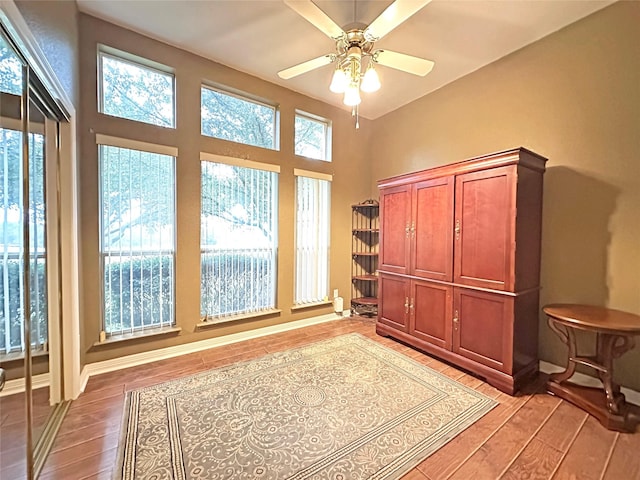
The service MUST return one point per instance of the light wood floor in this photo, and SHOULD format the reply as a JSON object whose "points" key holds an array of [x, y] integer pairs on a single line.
{"points": [[532, 435]]}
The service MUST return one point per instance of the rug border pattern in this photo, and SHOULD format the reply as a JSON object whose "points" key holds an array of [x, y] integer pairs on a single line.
{"points": [[125, 468]]}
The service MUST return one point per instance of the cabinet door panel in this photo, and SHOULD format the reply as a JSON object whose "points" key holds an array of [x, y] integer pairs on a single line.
{"points": [[431, 314], [485, 228], [395, 215], [484, 329], [433, 234], [393, 305]]}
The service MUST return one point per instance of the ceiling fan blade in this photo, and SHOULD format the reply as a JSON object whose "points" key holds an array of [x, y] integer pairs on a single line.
{"points": [[394, 15], [312, 13], [305, 67], [406, 63]]}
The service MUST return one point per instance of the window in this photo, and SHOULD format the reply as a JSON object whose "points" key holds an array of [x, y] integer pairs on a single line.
{"points": [[238, 237], [137, 236], [238, 119], [136, 92], [313, 198], [312, 137]]}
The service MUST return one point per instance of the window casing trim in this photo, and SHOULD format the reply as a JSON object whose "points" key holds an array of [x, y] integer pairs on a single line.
{"points": [[327, 133], [138, 332], [136, 145], [246, 97], [136, 335], [298, 172], [255, 311], [136, 61], [298, 302], [239, 162], [240, 95], [16, 124]]}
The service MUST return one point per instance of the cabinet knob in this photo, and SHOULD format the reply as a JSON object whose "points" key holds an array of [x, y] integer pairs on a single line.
{"points": [[406, 305], [456, 321], [407, 229], [457, 229]]}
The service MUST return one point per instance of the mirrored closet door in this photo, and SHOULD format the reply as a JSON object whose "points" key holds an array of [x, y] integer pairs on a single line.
{"points": [[30, 323]]}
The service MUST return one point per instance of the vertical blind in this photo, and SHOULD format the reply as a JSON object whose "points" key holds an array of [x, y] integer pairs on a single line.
{"points": [[238, 239], [12, 288], [313, 196], [137, 231]]}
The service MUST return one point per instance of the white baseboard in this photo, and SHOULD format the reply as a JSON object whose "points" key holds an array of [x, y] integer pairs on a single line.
{"points": [[169, 352], [17, 385], [39, 381], [632, 396]]}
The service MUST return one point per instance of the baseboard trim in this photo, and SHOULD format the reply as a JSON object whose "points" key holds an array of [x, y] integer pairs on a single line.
{"points": [[106, 366], [40, 381], [632, 396], [17, 385]]}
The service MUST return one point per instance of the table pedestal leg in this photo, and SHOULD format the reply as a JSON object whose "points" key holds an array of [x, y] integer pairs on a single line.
{"points": [[608, 349], [607, 404]]}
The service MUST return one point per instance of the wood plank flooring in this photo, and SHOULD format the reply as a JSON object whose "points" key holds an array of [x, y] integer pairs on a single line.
{"points": [[530, 436], [13, 429]]}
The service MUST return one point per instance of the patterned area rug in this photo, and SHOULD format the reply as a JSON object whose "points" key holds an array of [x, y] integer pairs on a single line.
{"points": [[344, 408]]}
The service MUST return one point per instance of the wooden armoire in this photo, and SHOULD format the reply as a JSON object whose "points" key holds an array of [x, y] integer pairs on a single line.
{"points": [[459, 263]]}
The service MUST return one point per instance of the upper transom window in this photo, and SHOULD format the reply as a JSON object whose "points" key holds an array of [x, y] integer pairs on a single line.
{"points": [[312, 137], [10, 69], [132, 90], [239, 119]]}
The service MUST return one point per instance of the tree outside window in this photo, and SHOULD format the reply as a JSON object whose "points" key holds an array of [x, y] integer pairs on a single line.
{"points": [[237, 119], [136, 92], [238, 240], [312, 137]]}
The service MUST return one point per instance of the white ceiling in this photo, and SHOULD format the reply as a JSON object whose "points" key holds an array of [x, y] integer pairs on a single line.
{"points": [[263, 37]]}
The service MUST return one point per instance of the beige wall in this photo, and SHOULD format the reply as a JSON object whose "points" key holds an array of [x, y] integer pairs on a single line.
{"points": [[55, 27], [573, 97], [350, 185]]}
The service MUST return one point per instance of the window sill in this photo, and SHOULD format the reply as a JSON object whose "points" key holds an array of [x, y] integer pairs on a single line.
{"points": [[304, 306], [234, 318], [13, 356], [138, 335]]}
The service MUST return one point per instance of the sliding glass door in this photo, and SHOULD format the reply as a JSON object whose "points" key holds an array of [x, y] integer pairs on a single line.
{"points": [[29, 286]]}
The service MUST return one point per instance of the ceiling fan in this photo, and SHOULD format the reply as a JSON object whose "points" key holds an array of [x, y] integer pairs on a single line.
{"points": [[355, 44]]}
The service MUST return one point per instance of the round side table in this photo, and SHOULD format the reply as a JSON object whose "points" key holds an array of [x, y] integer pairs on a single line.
{"points": [[615, 331]]}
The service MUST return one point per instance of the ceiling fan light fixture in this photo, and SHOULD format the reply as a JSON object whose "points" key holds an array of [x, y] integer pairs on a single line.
{"points": [[352, 95], [339, 82], [370, 81]]}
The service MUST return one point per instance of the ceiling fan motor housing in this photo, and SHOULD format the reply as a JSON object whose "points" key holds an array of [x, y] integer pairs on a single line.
{"points": [[354, 38]]}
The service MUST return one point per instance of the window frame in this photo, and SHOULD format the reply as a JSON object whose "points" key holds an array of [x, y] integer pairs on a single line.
{"points": [[328, 144], [129, 144], [210, 320], [246, 97], [315, 176], [140, 62], [36, 252]]}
